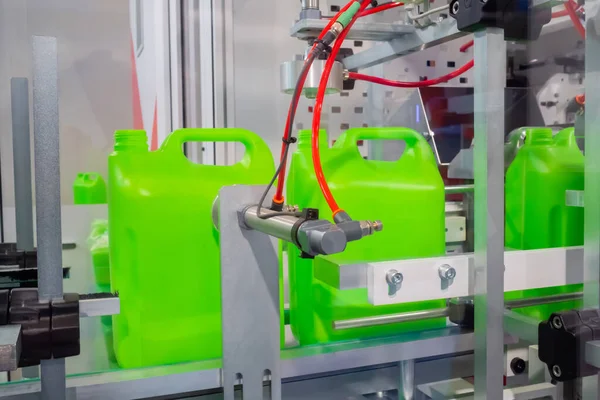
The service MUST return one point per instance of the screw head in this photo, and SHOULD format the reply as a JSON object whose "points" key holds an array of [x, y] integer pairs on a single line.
{"points": [[557, 322], [454, 8], [447, 272], [556, 371], [394, 277]]}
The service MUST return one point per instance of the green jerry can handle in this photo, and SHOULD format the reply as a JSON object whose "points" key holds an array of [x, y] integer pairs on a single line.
{"points": [[566, 138], [417, 146], [257, 153]]}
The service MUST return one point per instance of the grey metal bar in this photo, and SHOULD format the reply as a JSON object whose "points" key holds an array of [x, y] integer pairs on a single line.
{"points": [[419, 39], [97, 307], [390, 319], [459, 189], [536, 301], [591, 276], [490, 79], [47, 195], [251, 334], [19, 98], [406, 386]]}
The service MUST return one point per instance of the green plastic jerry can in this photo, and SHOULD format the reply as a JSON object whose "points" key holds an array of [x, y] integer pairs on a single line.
{"points": [[89, 188], [537, 216], [407, 195], [164, 249]]}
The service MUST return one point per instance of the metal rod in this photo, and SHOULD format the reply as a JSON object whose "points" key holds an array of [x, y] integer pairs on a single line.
{"points": [[390, 319], [459, 189], [310, 4], [536, 301], [406, 386], [47, 195], [19, 93], [443, 312]]}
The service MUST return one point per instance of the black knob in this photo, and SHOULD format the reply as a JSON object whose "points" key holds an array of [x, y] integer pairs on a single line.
{"points": [[518, 365]]}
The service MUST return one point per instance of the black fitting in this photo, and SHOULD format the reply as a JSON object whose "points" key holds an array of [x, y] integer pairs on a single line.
{"points": [[518, 23], [289, 140], [48, 329], [562, 342], [341, 216], [275, 206]]}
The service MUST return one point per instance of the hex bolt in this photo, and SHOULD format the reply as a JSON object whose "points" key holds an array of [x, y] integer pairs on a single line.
{"points": [[394, 277], [556, 371], [447, 272], [557, 322], [454, 9]]}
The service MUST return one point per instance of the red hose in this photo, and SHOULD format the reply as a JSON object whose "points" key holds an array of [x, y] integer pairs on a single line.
{"points": [[316, 125], [383, 7], [278, 197], [570, 9], [400, 84]]}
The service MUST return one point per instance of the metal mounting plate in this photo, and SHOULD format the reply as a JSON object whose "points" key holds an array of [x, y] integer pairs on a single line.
{"points": [[361, 30]]}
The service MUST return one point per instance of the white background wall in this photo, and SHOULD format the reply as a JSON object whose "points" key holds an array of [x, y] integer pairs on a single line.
{"points": [[94, 78]]}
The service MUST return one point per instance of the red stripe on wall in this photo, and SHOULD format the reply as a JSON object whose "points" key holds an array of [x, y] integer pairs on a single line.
{"points": [[138, 120], [154, 141]]}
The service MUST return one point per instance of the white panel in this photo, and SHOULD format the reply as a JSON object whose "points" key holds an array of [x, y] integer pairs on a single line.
{"points": [[524, 269]]}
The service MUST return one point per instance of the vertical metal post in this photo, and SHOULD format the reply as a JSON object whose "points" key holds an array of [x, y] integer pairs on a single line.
{"points": [[490, 80], [249, 276], [19, 95], [47, 195], [591, 291], [406, 387]]}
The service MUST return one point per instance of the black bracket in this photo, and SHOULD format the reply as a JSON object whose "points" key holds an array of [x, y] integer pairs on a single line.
{"points": [[518, 19], [48, 329], [562, 342]]}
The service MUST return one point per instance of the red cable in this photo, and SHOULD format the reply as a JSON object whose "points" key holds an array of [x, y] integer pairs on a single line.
{"points": [[316, 125], [383, 7], [570, 8], [400, 84], [466, 46], [278, 197]]}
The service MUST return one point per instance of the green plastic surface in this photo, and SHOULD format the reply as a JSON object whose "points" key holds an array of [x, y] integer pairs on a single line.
{"points": [[537, 216], [406, 195], [89, 188], [164, 249], [98, 243]]}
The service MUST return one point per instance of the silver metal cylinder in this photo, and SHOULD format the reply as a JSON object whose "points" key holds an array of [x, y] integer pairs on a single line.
{"points": [[406, 385], [536, 301], [290, 71], [279, 227], [310, 4], [459, 189], [390, 319]]}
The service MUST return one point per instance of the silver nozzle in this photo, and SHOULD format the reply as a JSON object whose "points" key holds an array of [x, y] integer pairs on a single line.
{"points": [[337, 28], [369, 227]]}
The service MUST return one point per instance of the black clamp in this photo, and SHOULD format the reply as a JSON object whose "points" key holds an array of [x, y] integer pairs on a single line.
{"points": [[518, 19], [48, 330], [308, 214], [462, 313], [290, 140], [562, 341]]}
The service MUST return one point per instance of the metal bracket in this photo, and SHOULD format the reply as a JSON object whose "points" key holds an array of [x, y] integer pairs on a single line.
{"points": [[250, 300]]}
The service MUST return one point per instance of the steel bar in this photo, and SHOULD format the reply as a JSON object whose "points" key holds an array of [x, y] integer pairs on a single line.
{"points": [[443, 312], [459, 189], [19, 100], [490, 79], [390, 319], [97, 307], [406, 385], [47, 195], [592, 173]]}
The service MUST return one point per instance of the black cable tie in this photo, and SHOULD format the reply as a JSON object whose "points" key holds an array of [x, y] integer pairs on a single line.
{"points": [[374, 3], [326, 47], [290, 140]]}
